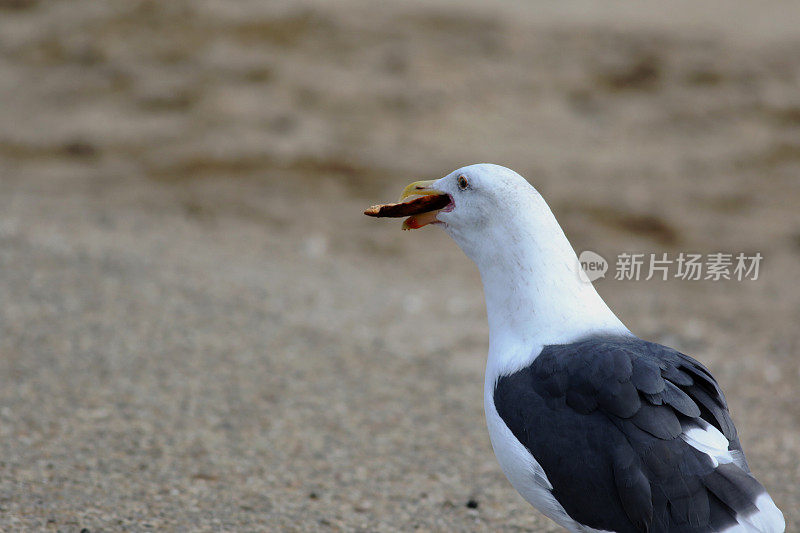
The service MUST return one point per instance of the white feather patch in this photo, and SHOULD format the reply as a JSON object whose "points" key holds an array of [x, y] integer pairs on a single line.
{"points": [[710, 441], [768, 518]]}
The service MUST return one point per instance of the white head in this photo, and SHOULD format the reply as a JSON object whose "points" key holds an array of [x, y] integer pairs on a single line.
{"points": [[534, 293], [494, 209]]}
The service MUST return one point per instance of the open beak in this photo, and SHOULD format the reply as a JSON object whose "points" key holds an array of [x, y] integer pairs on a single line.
{"points": [[419, 202], [421, 188]]}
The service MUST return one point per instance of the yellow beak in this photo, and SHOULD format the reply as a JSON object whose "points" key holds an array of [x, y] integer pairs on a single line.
{"points": [[419, 188], [419, 200]]}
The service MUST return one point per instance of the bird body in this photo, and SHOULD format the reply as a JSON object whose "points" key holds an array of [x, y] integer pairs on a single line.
{"points": [[596, 428]]}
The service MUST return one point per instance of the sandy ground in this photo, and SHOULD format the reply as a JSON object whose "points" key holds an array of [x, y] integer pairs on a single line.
{"points": [[199, 331]]}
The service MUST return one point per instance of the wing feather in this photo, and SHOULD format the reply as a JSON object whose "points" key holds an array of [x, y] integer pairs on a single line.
{"points": [[607, 417]]}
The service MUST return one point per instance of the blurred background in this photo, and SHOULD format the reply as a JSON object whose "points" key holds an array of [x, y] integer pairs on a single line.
{"points": [[200, 331]]}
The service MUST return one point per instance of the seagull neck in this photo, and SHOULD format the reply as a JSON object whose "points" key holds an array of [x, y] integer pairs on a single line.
{"points": [[535, 297]]}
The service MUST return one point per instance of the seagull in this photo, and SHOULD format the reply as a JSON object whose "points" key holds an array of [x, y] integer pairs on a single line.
{"points": [[599, 430]]}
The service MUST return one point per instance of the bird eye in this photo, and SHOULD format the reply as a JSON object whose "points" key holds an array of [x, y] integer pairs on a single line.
{"points": [[462, 183]]}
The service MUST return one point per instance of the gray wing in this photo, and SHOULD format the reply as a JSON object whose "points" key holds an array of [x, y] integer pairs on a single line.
{"points": [[607, 417]]}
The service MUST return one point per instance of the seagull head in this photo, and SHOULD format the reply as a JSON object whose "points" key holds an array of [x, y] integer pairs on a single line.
{"points": [[491, 210], [534, 294]]}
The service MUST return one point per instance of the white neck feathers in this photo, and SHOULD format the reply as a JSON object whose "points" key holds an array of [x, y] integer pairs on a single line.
{"points": [[534, 294]]}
